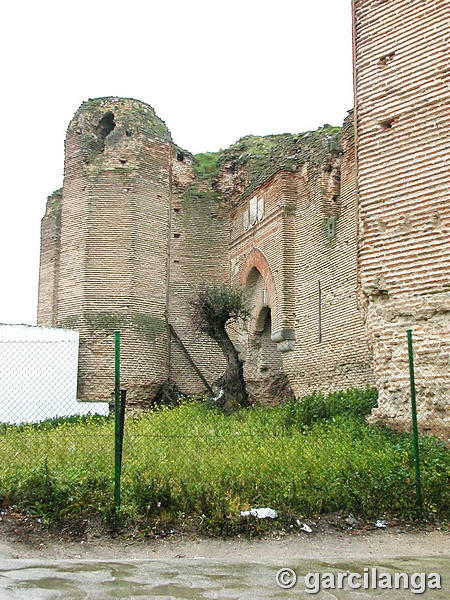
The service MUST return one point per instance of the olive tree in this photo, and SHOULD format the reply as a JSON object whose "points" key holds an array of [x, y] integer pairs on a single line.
{"points": [[213, 308]]}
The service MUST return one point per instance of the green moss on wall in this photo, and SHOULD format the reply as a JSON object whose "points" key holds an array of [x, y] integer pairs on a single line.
{"points": [[53, 206], [104, 320], [260, 157], [129, 113], [68, 322], [199, 194], [149, 325]]}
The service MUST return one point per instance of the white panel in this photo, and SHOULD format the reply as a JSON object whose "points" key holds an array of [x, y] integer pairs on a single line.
{"points": [[260, 208], [246, 223], [253, 210], [38, 375]]}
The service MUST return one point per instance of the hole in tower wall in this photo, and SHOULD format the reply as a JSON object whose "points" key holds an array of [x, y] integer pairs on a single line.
{"points": [[106, 125], [386, 59], [180, 156], [387, 123]]}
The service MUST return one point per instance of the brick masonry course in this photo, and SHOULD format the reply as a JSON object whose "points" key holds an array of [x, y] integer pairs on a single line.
{"points": [[338, 236]]}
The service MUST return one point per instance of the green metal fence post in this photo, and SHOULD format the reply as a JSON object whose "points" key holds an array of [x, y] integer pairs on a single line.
{"points": [[414, 420], [117, 461]]}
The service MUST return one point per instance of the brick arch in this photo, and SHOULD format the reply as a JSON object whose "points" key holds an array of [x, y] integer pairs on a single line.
{"points": [[256, 259]]}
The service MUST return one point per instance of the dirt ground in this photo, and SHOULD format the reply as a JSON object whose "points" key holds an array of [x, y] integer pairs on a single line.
{"points": [[331, 538]]}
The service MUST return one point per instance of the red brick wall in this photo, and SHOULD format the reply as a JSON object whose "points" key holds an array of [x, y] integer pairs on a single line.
{"points": [[114, 245], [49, 261], [402, 126], [291, 249], [198, 257]]}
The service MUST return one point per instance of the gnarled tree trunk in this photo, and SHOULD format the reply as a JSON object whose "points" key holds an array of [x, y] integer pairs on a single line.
{"points": [[232, 382]]}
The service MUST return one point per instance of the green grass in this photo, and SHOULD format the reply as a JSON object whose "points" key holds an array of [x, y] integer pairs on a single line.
{"points": [[194, 465], [205, 165]]}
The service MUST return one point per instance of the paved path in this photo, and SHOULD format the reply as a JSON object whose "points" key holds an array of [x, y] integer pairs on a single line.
{"points": [[202, 579]]}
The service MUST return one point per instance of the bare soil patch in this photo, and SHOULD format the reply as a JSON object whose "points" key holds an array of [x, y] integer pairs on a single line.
{"points": [[333, 536]]}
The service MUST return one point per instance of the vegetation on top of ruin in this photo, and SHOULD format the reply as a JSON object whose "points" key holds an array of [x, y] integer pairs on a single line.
{"points": [[260, 157], [53, 206], [127, 111], [253, 158], [264, 156], [205, 165], [99, 118]]}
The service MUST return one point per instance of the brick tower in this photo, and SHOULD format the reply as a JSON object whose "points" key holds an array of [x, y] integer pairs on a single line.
{"points": [[402, 116], [104, 265]]}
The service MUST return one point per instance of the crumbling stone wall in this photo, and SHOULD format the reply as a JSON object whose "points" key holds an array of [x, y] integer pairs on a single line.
{"points": [[303, 246], [142, 225], [127, 243], [198, 256], [114, 245], [49, 261], [331, 350], [402, 125]]}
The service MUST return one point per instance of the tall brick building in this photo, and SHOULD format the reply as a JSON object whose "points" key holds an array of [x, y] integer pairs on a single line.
{"points": [[402, 117], [141, 224]]}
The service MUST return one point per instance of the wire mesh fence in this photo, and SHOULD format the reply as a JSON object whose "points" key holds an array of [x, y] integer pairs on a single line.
{"points": [[38, 381], [192, 464]]}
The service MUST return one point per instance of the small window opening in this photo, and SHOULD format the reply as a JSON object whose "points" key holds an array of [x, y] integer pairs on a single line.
{"points": [[123, 161], [177, 210], [177, 235], [335, 198], [128, 133], [180, 156], [331, 228]]}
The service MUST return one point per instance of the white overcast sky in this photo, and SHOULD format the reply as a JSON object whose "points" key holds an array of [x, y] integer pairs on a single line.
{"points": [[213, 71]]}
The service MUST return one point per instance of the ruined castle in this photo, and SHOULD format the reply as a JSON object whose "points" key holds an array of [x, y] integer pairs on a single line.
{"points": [[339, 237]]}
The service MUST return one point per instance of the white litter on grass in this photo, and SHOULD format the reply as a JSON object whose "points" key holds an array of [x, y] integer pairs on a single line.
{"points": [[261, 513], [219, 395], [380, 523], [304, 526]]}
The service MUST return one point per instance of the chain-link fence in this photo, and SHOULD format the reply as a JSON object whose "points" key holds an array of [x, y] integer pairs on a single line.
{"points": [[191, 466], [38, 381]]}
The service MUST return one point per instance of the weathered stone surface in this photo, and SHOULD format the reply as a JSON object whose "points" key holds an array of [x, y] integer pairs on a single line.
{"points": [[402, 124], [144, 225], [340, 241]]}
